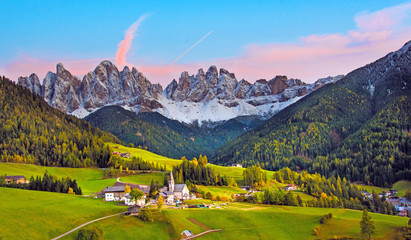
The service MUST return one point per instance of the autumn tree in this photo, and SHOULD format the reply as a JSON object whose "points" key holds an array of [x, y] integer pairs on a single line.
{"points": [[160, 202], [70, 191], [127, 189], [136, 194]]}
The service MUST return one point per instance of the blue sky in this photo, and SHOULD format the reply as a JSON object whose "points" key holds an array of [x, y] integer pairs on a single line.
{"points": [[39, 34]]}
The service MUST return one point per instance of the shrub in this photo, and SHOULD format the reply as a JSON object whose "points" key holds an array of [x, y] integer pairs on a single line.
{"points": [[325, 218], [145, 215], [316, 231], [93, 233]]}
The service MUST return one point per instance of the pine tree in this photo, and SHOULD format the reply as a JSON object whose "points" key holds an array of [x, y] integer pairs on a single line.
{"points": [[367, 226]]}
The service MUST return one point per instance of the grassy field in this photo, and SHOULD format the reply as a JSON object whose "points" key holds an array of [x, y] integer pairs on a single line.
{"points": [[89, 179], [235, 172], [43, 215], [146, 155], [220, 191], [246, 221], [144, 178]]}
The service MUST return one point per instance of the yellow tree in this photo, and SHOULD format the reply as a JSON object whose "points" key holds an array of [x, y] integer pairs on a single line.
{"points": [[160, 202], [70, 191], [127, 189]]}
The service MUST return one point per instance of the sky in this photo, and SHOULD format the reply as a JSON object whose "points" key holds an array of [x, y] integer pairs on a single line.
{"points": [[253, 39]]}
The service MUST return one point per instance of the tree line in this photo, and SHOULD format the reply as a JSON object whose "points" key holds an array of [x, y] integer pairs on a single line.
{"points": [[48, 183], [197, 172], [33, 132]]}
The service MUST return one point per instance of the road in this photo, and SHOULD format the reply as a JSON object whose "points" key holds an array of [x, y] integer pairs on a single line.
{"points": [[87, 223]]}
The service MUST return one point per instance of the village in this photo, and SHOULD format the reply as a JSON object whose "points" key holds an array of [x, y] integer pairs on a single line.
{"points": [[401, 204], [175, 195]]}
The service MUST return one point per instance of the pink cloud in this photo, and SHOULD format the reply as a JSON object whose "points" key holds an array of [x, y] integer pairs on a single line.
{"points": [[125, 44], [313, 56], [383, 19]]}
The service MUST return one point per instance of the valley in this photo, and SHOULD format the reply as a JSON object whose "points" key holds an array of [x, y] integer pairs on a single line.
{"points": [[102, 149]]}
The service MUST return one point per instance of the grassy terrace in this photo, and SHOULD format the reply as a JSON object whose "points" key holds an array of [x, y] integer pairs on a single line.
{"points": [[29, 214], [247, 221], [235, 172], [89, 179]]}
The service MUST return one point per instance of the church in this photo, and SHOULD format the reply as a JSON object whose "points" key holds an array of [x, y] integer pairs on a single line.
{"points": [[180, 191]]}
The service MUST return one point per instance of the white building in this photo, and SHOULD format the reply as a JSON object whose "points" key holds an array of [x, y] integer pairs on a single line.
{"points": [[180, 191], [129, 201], [114, 193]]}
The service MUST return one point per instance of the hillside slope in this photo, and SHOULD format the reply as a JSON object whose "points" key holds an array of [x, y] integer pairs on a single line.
{"points": [[33, 132], [162, 135], [316, 133]]}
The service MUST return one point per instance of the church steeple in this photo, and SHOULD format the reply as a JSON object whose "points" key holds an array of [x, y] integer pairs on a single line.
{"points": [[171, 182]]}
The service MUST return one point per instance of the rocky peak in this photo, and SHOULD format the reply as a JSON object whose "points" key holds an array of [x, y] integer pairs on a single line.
{"points": [[278, 84], [212, 76], [32, 82]]}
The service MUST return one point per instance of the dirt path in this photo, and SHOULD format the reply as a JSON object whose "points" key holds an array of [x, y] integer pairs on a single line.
{"points": [[204, 233], [87, 223], [199, 223], [208, 230]]}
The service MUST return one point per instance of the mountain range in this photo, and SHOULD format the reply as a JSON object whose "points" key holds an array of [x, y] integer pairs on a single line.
{"points": [[210, 96]]}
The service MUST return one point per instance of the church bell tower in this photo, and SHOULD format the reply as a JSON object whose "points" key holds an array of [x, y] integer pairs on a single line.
{"points": [[171, 182]]}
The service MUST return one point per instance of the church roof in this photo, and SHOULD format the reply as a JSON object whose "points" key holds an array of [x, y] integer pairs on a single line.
{"points": [[179, 187]]}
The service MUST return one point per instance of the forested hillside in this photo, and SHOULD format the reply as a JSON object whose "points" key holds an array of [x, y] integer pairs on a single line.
{"points": [[33, 132], [358, 128], [162, 135]]}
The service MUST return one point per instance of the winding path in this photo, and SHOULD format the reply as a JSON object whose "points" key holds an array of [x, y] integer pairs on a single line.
{"points": [[204, 233], [87, 223]]}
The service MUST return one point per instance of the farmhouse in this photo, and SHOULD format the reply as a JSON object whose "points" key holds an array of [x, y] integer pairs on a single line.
{"points": [[246, 188], [114, 193], [144, 188], [237, 165], [290, 187], [16, 179], [124, 155], [167, 196]]}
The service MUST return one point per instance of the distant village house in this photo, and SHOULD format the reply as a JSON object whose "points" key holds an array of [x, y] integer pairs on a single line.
{"points": [[290, 187], [16, 179], [124, 155], [237, 165]]}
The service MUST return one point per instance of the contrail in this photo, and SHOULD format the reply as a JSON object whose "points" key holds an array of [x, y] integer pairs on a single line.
{"points": [[189, 49], [125, 44]]}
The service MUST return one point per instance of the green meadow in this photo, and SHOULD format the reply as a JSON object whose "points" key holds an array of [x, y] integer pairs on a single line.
{"points": [[89, 179], [29, 214], [235, 172], [246, 221], [146, 155], [144, 178], [223, 191]]}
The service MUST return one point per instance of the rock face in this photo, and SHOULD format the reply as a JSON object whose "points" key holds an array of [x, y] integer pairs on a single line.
{"points": [[106, 85], [32, 82], [214, 95]]}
